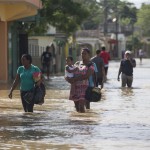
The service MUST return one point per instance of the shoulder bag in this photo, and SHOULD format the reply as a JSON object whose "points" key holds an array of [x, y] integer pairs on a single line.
{"points": [[39, 94], [93, 94]]}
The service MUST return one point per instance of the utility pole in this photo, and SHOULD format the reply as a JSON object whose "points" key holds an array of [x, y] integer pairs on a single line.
{"points": [[105, 17], [117, 35]]}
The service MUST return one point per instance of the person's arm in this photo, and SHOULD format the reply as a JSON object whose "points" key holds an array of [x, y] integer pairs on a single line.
{"points": [[71, 71], [38, 76], [84, 77], [14, 85], [81, 77], [133, 62], [119, 72]]}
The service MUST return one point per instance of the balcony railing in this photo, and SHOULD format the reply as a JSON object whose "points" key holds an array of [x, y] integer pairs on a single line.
{"points": [[111, 28]]}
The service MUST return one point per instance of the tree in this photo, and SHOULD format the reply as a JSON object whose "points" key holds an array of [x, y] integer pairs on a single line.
{"points": [[103, 11], [70, 15], [144, 19], [95, 15], [65, 15]]}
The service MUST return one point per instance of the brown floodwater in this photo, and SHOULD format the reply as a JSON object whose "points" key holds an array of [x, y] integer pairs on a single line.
{"points": [[120, 121]]}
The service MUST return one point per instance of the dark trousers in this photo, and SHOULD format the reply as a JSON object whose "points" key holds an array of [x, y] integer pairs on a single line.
{"points": [[106, 70], [46, 68], [99, 81], [27, 107]]}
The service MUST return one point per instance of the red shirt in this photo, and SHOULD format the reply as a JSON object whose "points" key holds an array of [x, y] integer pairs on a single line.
{"points": [[106, 57]]}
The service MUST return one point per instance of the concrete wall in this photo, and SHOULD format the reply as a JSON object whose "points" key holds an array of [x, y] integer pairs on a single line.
{"points": [[3, 52]]}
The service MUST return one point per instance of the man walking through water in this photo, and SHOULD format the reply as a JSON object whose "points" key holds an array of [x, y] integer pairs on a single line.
{"points": [[106, 57], [126, 68], [100, 67], [141, 54], [46, 61]]}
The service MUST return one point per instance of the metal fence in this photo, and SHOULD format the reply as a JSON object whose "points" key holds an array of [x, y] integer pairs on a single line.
{"points": [[35, 50]]}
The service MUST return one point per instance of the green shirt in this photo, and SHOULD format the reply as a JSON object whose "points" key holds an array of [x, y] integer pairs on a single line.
{"points": [[26, 77]]}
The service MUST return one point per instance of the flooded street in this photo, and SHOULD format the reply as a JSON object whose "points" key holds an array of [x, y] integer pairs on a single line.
{"points": [[120, 121]]}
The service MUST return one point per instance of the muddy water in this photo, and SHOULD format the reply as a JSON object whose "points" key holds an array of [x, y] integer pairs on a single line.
{"points": [[120, 121]]}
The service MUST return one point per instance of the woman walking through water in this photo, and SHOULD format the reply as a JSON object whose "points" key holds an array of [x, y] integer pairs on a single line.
{"points": [[25, 75], [82, 79]]}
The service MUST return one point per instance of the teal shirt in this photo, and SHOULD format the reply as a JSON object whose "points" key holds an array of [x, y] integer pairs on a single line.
{"points": [[26, 77]]}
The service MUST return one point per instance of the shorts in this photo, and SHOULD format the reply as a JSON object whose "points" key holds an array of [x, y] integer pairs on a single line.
{"points": [[126, 80]]}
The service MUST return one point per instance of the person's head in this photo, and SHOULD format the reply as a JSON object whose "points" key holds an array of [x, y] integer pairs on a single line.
{"points": [[69, 60], [98, 52], [85, 53], [103, 48], [26, 59], [127, 54], [48, 48]]}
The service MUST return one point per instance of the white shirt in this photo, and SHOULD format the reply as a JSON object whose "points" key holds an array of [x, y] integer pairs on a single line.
{"points": [[68, 74]]}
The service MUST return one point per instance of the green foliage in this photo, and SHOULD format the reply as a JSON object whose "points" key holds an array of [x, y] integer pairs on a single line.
{"points": [[133, 43], [144, 19], [70, 15], [65, 15], [127, 11], [95, 15], [125, 21], [123, 10]]}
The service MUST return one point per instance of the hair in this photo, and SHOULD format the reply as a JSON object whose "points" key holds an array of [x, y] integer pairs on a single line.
{"points": [[103, 48], [28, 57], [98, 51], [86, 49], [47, 48], [70, 57]]}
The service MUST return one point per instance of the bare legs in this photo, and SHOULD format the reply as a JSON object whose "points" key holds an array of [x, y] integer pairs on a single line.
{"points": [[81, 105]]}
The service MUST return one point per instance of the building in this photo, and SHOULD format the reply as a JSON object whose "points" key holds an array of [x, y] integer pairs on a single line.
{"points": [[10, 12]]}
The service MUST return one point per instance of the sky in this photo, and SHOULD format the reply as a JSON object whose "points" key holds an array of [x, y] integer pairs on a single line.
{"points": [[139, 2]]}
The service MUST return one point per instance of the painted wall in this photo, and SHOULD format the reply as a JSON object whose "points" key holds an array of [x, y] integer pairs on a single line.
{"points": [[11, 10], [3, 52]]}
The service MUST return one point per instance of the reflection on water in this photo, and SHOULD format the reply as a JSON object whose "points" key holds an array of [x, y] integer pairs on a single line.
{"points": [[119, 121], [127, 93]]}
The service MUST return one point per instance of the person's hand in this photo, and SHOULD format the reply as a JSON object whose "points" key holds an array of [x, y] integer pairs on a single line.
{"points": [[128, 57], [10, 95], [67, 79], [38, 83], [76, 69], [70, 80]]}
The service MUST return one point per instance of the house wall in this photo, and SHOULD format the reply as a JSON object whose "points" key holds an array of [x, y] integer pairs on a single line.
{"points": [[3, 52], [9, 11]]}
